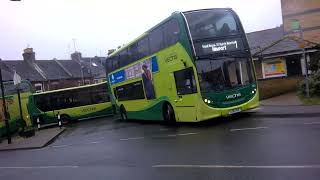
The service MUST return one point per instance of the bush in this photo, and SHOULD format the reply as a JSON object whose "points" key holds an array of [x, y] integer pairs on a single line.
{"points": [[314, 85]]}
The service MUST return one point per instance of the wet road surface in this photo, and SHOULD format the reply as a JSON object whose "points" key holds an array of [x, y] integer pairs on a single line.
{"points": [[242, 147]]}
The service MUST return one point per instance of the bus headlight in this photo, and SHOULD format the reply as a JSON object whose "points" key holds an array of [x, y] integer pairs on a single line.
{"points": [[252, 91], [209, 101], [205, 100]]}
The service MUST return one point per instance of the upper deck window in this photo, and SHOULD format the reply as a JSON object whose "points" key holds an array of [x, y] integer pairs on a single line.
{"points": [[211, 23]]}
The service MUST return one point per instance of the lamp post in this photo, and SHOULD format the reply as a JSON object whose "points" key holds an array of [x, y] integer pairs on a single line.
{"points": [[4, 106], [296, 27], [17, 82]]}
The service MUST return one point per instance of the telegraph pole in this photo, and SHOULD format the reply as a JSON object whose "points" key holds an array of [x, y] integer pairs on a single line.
{"points": [[296, 27], [4, 106]]}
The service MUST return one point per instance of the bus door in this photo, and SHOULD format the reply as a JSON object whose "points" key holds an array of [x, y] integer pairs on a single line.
{"points": [[185, 101]]}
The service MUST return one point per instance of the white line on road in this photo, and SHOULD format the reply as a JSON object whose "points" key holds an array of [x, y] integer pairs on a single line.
{"points": [[37, 167], [133, 138], [184, 134], [94, 142], [241, 167], [311, 123], [243, 129], [61, 146]]}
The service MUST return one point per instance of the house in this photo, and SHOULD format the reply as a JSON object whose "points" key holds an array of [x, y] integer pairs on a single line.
{"points": [[278, 59], [272, 48], [54, 74]]}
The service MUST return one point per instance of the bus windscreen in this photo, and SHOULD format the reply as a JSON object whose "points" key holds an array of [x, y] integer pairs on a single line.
{"points": [[224, 74], [211, 30]]}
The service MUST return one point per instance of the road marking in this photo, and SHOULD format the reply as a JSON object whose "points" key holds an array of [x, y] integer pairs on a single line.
{"points": [[183, 134], [311, 123], [243, 129], [61, 146], [94, 142], [134, 138], [37, 167], [317, 166]]}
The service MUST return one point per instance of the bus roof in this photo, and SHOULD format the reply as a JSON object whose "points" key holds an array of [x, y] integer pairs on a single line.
{"points": [[154, 27], [144, 34], [71, 88]]}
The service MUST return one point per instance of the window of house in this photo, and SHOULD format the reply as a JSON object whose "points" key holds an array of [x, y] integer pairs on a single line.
{"points": [[38, 87]]}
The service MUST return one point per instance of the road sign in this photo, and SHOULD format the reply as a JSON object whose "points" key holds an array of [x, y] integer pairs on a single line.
{"points": [[295, 25]]}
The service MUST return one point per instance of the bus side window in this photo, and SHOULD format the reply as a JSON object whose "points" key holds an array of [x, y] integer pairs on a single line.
{"points": [[156, 40], [130, 91], [133, 53], [171, 32], [143, 47], [115, 62], [123, 58], [109, 65], [185, 81]]}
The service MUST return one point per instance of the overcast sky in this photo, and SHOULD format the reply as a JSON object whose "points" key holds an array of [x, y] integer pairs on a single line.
{"points": [[49, 26]]}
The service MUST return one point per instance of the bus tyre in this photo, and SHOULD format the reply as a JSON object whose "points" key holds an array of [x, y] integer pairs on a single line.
{"points": [[65, 119], [168, 114], [123, 113]]}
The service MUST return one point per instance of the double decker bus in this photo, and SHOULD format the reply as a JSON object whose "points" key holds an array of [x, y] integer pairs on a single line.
{"points": [[12, 104], [192, 66], [76, 103]]}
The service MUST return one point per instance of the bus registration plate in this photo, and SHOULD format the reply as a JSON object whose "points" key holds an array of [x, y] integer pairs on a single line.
{"points": [[233, 111]]}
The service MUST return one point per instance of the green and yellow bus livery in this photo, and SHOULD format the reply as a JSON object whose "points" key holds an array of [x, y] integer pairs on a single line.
{"points": [[192, 66], [12, 103], [76, 103]]}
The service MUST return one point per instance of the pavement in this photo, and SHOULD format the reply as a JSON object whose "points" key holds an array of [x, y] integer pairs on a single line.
{"points": [[41, 139], [286, 105], [288, 99]]}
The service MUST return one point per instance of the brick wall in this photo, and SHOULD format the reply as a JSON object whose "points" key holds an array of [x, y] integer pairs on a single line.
{"points": [[277, 86], [307, 12], [258, 68]]}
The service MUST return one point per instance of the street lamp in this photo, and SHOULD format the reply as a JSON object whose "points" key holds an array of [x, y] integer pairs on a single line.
{"points": [[296, 27]]}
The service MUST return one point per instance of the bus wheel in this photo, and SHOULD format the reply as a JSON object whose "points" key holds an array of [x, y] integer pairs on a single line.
{"points": [[65, 119], [123, 113], [168, 114]]}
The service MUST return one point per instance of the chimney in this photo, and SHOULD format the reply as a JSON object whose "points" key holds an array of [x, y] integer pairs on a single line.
{"points": [[29, 56], [76, 56]]}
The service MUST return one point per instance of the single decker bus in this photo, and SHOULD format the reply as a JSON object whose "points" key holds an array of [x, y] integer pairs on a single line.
{"points": [[71, 104], [192, 66]]}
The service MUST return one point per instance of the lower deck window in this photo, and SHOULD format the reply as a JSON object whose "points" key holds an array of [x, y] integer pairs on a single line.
{"points": [[130, 91]]}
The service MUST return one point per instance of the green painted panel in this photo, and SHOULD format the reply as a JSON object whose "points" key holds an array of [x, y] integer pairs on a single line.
{"points": [[231, 98]]}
